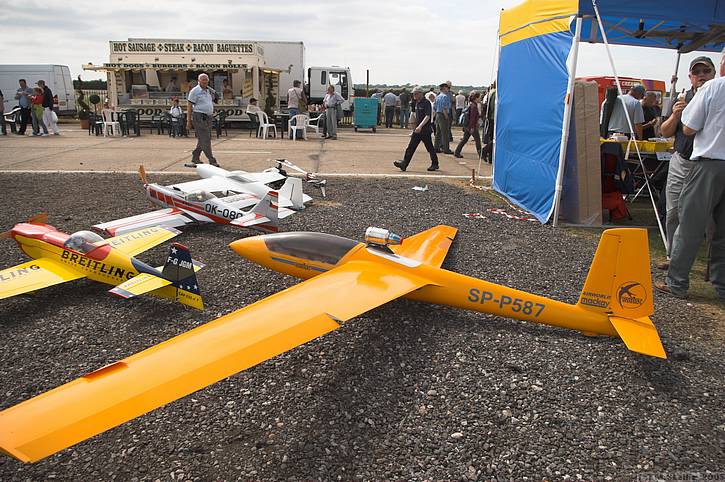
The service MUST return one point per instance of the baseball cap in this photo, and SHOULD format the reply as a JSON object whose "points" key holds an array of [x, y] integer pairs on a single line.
{"points": [[702, 60]]}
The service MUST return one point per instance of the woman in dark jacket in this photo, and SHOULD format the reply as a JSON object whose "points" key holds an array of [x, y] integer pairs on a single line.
{"points": [[471, 127]]}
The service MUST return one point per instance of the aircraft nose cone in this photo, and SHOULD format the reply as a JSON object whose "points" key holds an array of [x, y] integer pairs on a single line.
{"points": [[251, 248]]}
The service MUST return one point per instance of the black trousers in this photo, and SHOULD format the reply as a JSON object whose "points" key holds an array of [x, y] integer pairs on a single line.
{"points": [[24, 119], [467, 133], [389, 114], [416, 139]]}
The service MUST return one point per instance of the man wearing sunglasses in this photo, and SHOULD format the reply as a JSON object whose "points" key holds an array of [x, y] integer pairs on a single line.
{"points": [[701, 70], [703, 193]]}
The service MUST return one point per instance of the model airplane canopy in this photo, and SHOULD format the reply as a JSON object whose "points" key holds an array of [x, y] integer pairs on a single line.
{"points": [[345, 278]]}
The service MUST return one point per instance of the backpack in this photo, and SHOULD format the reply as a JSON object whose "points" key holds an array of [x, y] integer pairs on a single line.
{"points": [[465, 115]]}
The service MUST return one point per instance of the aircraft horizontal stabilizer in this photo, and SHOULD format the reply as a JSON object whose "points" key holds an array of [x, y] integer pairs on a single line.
{"points": [[640, 335], [139, 285]]}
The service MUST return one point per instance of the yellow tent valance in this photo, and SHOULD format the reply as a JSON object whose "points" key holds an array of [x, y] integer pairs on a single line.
{"points": [[535, 17]]}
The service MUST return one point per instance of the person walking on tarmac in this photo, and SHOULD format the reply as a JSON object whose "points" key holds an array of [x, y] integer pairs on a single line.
{"points": [[470, 125], [200, 111], [422, 133]]}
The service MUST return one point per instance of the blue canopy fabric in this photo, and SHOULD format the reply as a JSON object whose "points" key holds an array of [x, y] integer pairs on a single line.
{"points": [[673, 24], [536, 39]]}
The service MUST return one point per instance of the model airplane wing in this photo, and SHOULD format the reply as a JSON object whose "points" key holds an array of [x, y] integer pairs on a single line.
{"points": [[211, 184], [429, 246], [154, 377], [169, 217], [34, 275], [135, 242]]}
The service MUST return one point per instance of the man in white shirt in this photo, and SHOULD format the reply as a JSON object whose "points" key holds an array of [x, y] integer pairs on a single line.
{"points": [[460, 104], [200, 113], [295, 96], [389, 100], [618, 121], [703, 194]]}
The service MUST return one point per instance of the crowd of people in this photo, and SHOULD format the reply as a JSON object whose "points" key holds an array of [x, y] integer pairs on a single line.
{"points": [[433, 114], [36, 109]]}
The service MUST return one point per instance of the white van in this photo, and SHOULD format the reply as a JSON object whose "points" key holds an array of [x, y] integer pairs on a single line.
{"points": [[320, 77], [56, 77]]}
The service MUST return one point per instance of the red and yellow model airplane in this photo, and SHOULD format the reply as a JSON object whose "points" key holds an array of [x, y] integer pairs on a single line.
{"points": [[59, 257], [344, 278]]}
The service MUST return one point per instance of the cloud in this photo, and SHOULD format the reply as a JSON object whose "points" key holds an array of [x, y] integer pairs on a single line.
{"points": [[422, 42]]}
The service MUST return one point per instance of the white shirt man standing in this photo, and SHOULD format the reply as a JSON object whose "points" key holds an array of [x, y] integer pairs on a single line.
{"points": [[703, 194], [200, 112], [701, 70]]}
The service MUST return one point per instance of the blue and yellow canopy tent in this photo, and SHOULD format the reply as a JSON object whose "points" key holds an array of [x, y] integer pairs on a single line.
{"points": [[538, 46]]}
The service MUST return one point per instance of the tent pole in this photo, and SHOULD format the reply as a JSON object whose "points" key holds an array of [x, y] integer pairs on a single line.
{"points": [[485, 122], [568, 105], [673, 85], [629, 121]]}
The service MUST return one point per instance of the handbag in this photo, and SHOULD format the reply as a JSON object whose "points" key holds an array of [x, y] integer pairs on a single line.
{"points": [[54, 116], [301, 102]]}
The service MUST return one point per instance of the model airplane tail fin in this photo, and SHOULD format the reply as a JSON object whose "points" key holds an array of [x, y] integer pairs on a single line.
{"points": [[292, 190], [142, 175], [180, 270], [264, 215], [619, 284]]}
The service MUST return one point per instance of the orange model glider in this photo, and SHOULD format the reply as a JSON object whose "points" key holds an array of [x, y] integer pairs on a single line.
{"points": [[344, 278]]}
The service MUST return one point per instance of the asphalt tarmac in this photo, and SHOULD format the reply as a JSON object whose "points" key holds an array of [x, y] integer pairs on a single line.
{"points": [[407, 391]]}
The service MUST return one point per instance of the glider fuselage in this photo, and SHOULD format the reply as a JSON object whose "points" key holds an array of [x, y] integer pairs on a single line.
{"points": [[305, 255]]}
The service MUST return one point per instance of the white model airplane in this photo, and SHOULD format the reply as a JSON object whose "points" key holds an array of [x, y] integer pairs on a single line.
{"points": [[200, 206], [217, 180]]}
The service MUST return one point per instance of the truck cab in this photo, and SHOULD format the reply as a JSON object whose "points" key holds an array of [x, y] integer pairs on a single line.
{"points": [[320, 77]]}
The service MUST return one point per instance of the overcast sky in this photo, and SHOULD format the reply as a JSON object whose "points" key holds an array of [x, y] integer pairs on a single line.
{"points": [[418, 42]]}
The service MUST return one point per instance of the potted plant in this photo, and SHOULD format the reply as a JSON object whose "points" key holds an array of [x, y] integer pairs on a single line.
{"points": [[84, 110]]}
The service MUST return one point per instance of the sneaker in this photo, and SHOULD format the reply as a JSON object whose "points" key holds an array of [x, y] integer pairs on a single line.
{"points": [[458, 156], [448, 152], [56, 133], [433, 167], [193, 163], [399, 165], [663, 287], [214, 163]]}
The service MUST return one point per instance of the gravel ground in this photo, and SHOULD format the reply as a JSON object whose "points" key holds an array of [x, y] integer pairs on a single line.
{"points": [[408, 391]]}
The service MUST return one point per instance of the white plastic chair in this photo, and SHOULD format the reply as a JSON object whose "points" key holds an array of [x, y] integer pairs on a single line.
{"points": [[264, 125], [316, 123], [300, 124], [110, 121]]}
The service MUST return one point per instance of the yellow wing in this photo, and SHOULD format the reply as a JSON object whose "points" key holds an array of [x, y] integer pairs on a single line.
{"points": [[147, 380], [34, 275], [142, 240], [429, 246]]}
